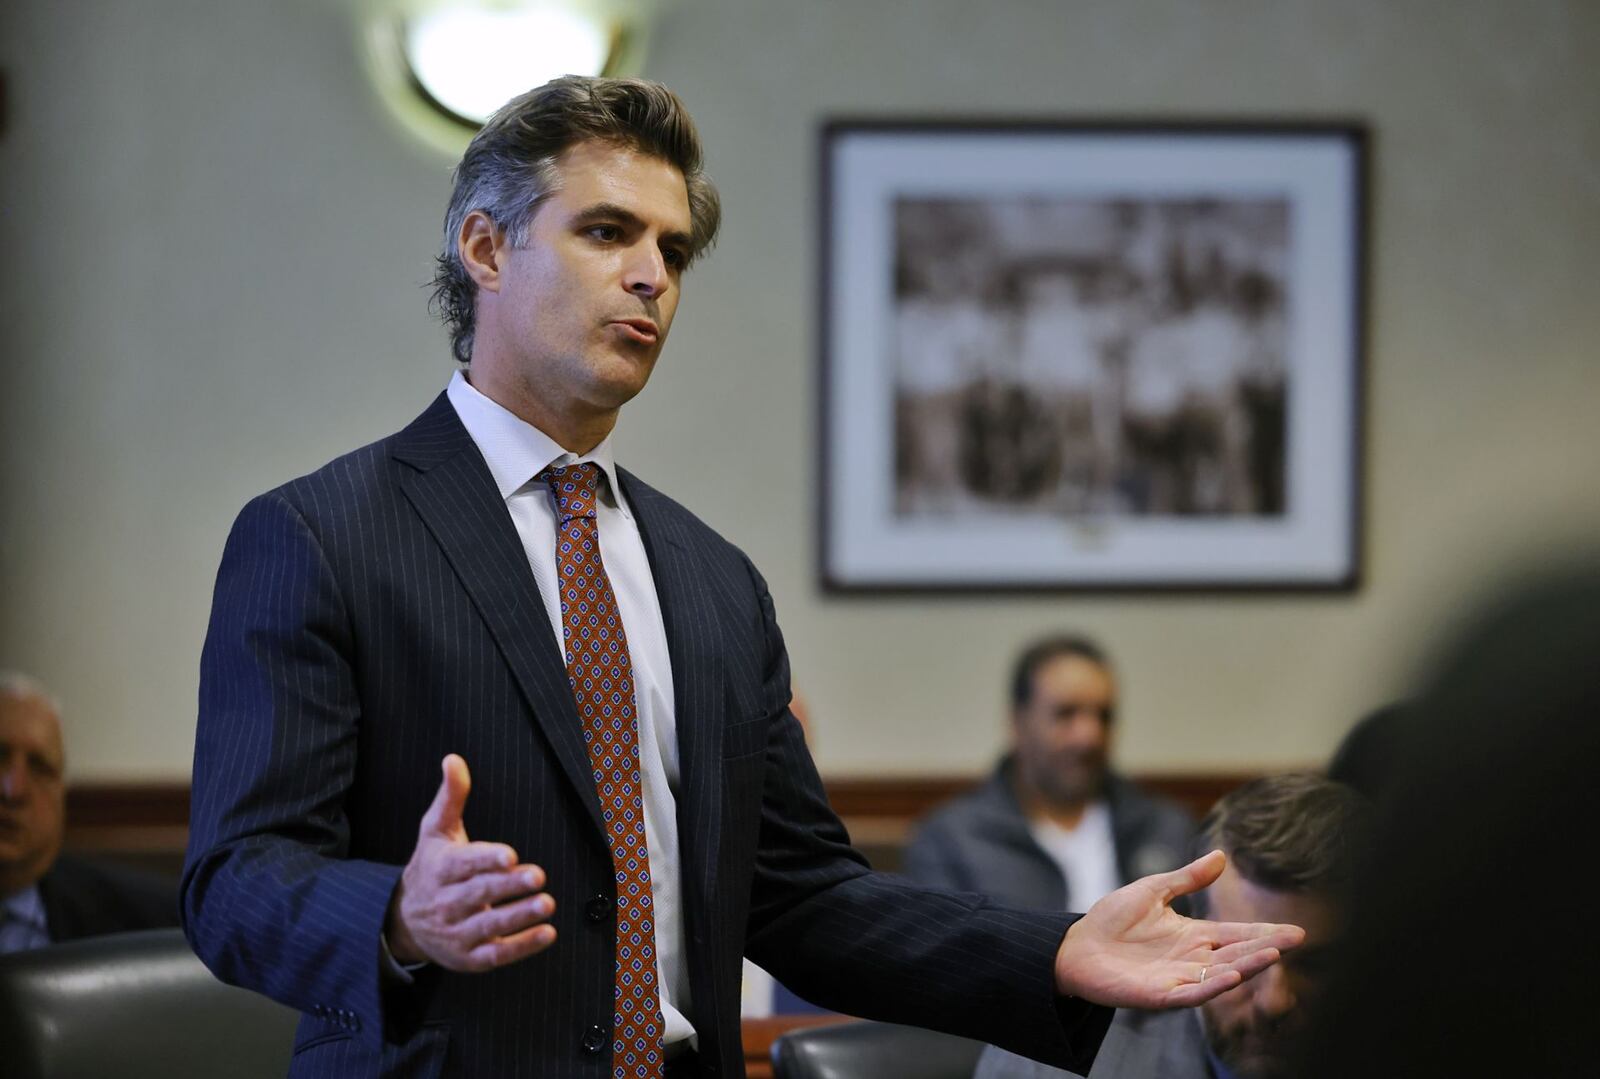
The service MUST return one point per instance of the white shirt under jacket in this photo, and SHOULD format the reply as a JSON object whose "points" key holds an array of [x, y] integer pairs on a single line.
{"points": [[516, 453]]}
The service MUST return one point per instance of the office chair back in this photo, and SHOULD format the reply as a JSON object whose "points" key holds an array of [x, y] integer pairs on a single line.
{"points": [[134, 1005], [873, 1051]]}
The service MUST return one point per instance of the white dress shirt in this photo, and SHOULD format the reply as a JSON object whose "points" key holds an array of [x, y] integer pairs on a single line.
{"points": [[516, 452], [1086, 855]]}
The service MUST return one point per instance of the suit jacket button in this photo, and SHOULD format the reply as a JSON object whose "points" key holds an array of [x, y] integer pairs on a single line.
{"points": [[597, 909], [594, 1039]]}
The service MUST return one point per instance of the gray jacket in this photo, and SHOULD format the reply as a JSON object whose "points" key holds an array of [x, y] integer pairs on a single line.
{"points": [[980, 842], [1139, 1045]]}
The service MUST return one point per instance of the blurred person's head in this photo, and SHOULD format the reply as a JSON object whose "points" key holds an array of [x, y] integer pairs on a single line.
{"points": [[1063, 702], [515, 164], [1292, 842], [1470, 953], [1368, 754], [32, 795]]}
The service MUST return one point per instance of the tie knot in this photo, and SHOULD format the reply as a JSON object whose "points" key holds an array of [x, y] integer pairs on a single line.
{"points": [[574, 487]]}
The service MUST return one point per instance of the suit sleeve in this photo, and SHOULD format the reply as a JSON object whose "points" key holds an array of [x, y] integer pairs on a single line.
{"points": [[878, 946], [270, 901]]}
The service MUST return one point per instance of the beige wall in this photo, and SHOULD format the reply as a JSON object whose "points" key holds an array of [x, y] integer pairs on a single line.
{"points": [[215, 245]]}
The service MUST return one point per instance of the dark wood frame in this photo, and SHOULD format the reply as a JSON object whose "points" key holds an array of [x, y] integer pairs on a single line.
{"points": [[1354, 131]]}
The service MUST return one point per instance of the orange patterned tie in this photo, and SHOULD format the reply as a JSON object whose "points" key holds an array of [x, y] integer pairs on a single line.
{"points": [[601, 673]]}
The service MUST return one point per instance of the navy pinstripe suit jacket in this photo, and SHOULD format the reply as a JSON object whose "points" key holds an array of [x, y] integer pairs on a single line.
{"points": [[380, 613]]}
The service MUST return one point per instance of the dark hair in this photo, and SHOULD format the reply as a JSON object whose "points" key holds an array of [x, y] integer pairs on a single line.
{"points": [[1298, 832], [1042, 651], [510, 168]]}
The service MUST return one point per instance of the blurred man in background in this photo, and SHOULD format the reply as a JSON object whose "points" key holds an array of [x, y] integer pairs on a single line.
{"points": [[1053, 827], [1292, 843], [45, 899]]}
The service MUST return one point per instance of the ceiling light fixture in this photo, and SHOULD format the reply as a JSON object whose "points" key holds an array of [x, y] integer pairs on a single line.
{"points": [[445, 66]]}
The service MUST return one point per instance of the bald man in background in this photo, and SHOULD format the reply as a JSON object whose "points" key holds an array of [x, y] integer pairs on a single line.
{"points": [[44, 898]]}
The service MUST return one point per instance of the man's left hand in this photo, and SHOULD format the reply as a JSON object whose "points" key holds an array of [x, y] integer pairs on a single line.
{"points": [[1132, 950]]}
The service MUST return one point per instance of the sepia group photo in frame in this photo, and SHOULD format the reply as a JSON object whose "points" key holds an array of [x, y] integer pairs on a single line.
{"points": [[1091, 355]]}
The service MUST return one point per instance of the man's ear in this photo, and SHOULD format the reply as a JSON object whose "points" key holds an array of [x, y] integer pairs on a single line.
{"points": [[482, 246]]}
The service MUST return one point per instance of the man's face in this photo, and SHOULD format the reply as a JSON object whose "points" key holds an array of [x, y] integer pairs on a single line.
{"points": [[1252, 1028], [579, 312], [31, 792], [1063, 732]]}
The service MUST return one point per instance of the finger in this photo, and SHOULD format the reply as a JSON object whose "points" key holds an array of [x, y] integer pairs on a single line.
{"points": [[1196, 875], [1248, 966], [1235, 952], [1203, 981], [457, 863], [444, 814], [1225, 934], [507, 920], [1196, 992], [467, 897], [498, 953]]}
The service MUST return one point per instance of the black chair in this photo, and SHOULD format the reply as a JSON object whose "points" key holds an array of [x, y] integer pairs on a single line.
{"points": [[864, 1050], [131, 1006]]}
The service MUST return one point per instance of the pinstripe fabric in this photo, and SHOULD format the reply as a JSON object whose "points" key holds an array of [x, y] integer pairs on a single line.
{"points": [[379, 613]]}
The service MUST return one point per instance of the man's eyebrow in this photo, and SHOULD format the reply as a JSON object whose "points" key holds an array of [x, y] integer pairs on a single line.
{"points": [[610, 211]]}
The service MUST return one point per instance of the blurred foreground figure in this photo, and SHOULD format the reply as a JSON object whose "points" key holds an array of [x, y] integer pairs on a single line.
{"points": [[44, 898], [1054, 827], [1470, 953], [1292, 843], [1369, 754]]}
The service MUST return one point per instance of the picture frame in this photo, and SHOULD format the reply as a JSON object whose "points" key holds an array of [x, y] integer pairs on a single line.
{"points": [[1091, 355]]}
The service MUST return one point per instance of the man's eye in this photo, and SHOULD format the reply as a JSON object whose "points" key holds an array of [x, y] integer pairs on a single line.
{"points": [[675, 258], [608, 233]]}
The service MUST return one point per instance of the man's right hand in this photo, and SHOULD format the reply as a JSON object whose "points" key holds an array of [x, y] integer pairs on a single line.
{"points": [[463, 905]]}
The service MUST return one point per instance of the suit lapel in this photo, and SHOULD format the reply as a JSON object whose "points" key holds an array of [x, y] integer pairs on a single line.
{"points": [[456, 497], [694, 643]]}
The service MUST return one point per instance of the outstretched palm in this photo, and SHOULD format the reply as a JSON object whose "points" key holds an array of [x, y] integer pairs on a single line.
{"points": [[1132, 950]]}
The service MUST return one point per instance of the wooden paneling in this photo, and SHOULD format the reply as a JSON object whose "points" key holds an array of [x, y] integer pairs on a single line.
{"points": [[887, 807], [152, 818], [135, 817]]}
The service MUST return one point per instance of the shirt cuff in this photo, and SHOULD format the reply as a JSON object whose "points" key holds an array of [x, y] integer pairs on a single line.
{"points": [[393, 969]]}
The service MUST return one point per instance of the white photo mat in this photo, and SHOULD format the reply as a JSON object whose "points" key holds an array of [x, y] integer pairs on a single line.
{"points": [[1312, 543]]}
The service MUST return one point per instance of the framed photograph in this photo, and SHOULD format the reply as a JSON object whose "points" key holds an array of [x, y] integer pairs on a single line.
{"points": [[1091, 355]]}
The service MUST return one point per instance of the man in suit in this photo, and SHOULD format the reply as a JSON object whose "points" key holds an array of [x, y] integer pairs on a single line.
{"points": [[45, 898], [488, 588], [1292, 842], [1054, 827]]}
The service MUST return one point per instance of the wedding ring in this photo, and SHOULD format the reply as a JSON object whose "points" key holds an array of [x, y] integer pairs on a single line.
{"points": [[1203, 971]]}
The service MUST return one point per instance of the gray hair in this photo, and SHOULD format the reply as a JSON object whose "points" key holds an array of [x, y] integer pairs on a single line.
{"points": [[511, 167], [19, 686]]}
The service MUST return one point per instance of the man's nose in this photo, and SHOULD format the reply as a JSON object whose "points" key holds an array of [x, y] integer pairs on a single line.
{"points": [[646, 273], [1274, 996], [13, 781]]}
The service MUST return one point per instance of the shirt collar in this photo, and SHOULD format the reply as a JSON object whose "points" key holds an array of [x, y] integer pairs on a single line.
{"points": [[1219, 1070], [26, 907], [516, 451]]}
